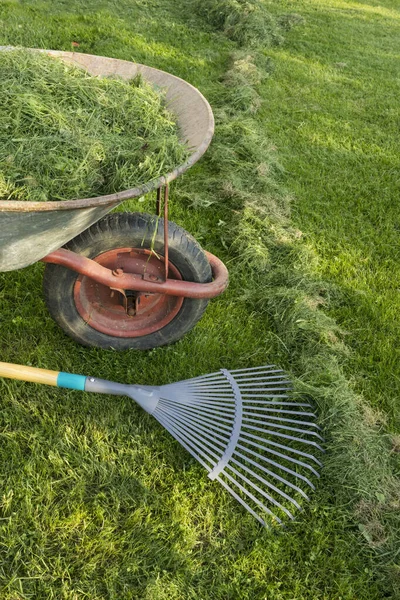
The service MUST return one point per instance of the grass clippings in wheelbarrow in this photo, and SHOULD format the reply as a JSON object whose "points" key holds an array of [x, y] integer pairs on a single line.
{"points": [[65, 134]]}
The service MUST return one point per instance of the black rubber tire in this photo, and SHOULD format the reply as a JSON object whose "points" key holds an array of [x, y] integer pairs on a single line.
{"points": [[121, 230]]}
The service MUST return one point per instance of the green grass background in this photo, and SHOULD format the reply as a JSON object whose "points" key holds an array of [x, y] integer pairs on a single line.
{"points": [[97, 500], [332, 110]]}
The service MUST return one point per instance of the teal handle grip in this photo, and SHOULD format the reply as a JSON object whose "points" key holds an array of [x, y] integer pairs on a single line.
{"points": [[72, 382]]}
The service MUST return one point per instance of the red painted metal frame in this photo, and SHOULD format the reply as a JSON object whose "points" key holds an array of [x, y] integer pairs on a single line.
{"points": [[165, 188], [138, 283]]}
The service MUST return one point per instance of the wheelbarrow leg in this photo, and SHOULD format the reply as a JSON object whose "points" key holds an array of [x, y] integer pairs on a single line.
{"points": [[160, 191], [166, 189]]}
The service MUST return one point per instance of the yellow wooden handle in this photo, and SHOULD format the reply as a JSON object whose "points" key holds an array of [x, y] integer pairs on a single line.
{"points": [[33, 374]]}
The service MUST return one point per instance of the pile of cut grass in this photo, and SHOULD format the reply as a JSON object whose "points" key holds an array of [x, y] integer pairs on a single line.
{"points": [[243, 21], [66, 134]]}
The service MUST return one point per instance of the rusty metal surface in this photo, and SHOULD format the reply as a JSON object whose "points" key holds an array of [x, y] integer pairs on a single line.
{"points": [[166, 263], [140, 283], [158, 203], [124, 313], [18, 248]]}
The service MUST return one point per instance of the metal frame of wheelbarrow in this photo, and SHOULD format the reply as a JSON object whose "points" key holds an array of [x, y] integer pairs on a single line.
{"points": [[32, 231], [119, 281]]}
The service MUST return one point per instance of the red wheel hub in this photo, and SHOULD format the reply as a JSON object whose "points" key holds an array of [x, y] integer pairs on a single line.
{"points": [[126, 313]]}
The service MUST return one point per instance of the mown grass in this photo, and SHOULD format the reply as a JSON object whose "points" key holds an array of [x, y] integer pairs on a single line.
{"points": [[67, 135], [98, 501], [332, 111]]}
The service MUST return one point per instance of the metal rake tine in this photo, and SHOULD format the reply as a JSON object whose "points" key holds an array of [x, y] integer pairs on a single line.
{"points": [[215, 436], [266, 448], [199, 401], [217, 381], [219, 385], [265, 391], [214, 426], [262, 492], [278, 465], [246, 386], [193, 401], [271, 378], [216, 374], [201, 442], [201, 385], [275, 403], [181, 425], [256, 500], [282, 446], [222, 425], [265, 482], [226, 410], [221, 381], [186, 395], [183, 443], [196, 422], [197, 449], [238, 371], [246, 395], [281, 411], [287, 427], [245, 505], [198, 377], [190, 447], [201, 410], [206, 391], [281, 419], [191, 426], [275, 475], [184, 382], [284, 435], [219, 394], [218, 391]]}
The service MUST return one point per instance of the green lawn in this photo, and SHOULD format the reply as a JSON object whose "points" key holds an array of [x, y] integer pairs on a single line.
{"points": [[97, 501], [333, 110]]}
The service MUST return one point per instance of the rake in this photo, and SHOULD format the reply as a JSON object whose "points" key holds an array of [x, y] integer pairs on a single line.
{"points": [[241, 425]]}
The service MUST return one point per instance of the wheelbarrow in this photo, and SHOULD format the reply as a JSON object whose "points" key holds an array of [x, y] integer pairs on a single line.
{"points": [[120, 280]]}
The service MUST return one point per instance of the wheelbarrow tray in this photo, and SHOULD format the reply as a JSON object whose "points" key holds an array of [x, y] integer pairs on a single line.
{"points": [[31, 230]]}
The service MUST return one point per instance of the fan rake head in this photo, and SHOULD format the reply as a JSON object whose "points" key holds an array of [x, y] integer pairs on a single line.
{"points": [[241, 425], [245, 430]]}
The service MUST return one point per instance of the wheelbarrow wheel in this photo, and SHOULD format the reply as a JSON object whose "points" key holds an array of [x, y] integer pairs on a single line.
{"points": [[95, 315]]}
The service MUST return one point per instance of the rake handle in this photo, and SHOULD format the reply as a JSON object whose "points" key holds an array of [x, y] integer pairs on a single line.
{"points": [[36, 375], [146, 396]]}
